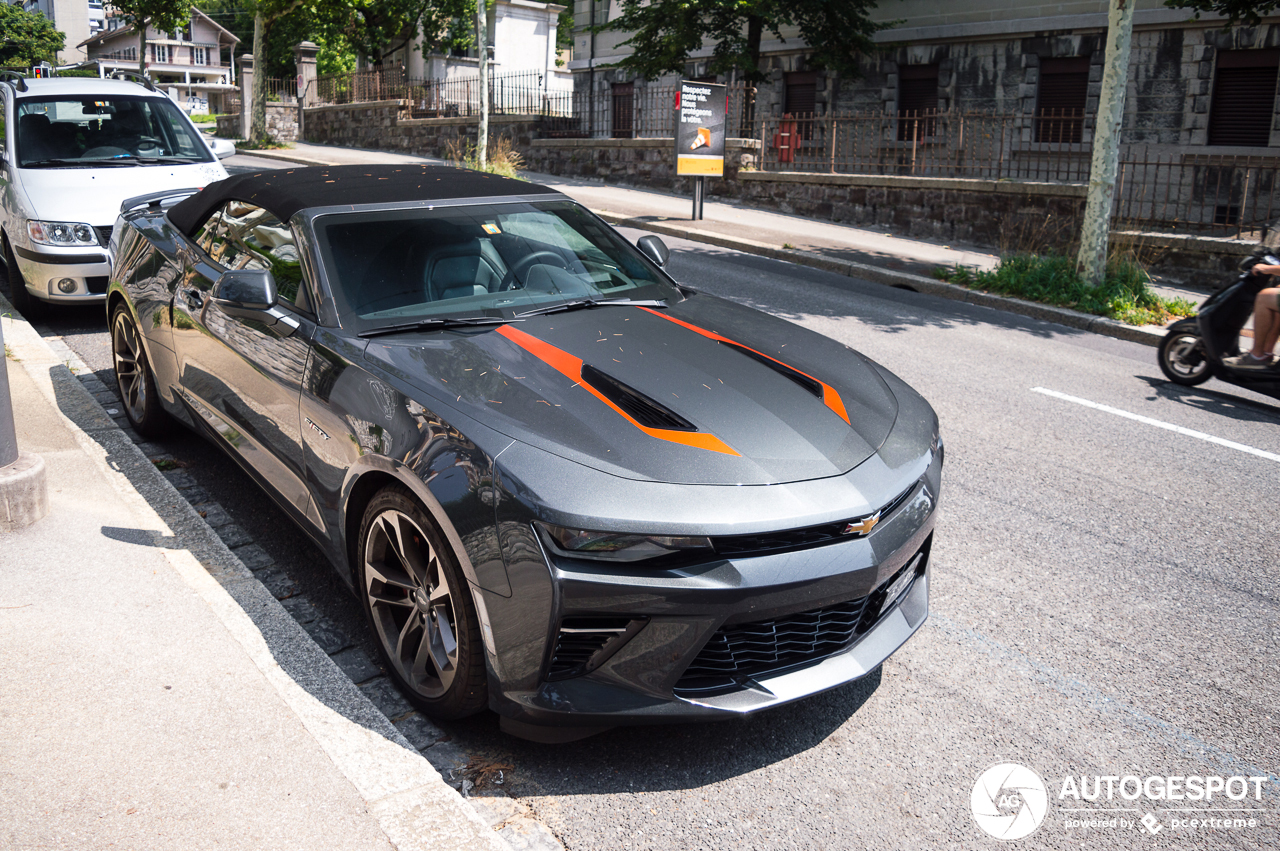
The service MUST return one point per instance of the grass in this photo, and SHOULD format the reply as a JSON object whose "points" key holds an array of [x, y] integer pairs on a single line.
{"points": [[1052, 279], [502, 158], [204, 119], [265, 145]]}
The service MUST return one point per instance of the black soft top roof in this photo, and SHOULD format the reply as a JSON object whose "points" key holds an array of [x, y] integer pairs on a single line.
{"points": [[286, 191]]}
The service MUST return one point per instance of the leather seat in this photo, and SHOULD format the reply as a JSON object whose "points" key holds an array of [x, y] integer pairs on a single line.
{"points": [[459, 271]]}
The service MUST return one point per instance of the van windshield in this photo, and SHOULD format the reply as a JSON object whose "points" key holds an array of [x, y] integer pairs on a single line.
{"points": [[71, 132]]}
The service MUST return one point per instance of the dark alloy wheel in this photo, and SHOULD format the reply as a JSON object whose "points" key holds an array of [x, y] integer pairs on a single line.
{"points": [[419, 606], [1182, 358], [134, 380], [29, 306]]}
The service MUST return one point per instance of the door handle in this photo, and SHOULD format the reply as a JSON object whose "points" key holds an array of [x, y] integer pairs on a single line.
{"points": [[193, 298]]}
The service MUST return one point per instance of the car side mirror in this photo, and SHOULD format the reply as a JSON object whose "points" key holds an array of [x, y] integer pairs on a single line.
{"points": [[222, 148], [655, 249], [245, 290]]}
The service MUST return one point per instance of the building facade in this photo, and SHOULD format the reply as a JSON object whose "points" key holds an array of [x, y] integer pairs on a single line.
{"points": [[76, 19], [193, 64]]}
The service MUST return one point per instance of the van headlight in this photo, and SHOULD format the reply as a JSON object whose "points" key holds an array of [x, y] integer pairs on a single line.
{"points": [[62, 233]]}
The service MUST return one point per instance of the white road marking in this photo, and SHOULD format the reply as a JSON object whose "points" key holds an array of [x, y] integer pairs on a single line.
{"points": [[1198, 435]]}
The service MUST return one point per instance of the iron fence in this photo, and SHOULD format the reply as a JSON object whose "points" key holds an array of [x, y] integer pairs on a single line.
{"points": [[637, 111]]}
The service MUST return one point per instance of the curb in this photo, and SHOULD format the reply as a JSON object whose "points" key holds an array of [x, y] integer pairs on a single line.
{"points": [[1146, 334], [412, 778]]}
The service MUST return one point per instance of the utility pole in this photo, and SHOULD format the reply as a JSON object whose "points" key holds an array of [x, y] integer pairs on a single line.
{"points": [[24, 496], [482, 38], [1092, 259]]}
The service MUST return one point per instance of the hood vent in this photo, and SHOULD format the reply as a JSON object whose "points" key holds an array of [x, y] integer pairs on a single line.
{"points": [[811, 384], [635, 404]]}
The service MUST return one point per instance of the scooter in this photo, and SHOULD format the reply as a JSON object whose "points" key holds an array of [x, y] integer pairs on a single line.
{"points": [[1192, 352]]}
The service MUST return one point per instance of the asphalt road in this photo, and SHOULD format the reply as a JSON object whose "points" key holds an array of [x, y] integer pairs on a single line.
{"points": [[1104, 604]]}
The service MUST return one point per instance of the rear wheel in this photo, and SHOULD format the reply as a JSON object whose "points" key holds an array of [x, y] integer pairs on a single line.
{"points": [[1183, 360], [420, 607], [29, 306], [134, 380]]}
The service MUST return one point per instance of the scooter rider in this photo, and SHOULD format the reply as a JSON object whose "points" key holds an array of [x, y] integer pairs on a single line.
{"points": [[1266, 326]]}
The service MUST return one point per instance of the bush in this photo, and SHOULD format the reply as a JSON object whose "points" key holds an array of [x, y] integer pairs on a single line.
{"points": [[204, 119], [502, 158], [1052, 279]]}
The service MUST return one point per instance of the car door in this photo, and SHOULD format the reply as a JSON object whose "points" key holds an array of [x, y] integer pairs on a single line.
{"points": [[241, 371]]}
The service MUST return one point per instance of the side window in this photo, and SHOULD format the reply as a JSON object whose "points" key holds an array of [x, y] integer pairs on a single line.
{"points": [[4, 137], [245, 236]]}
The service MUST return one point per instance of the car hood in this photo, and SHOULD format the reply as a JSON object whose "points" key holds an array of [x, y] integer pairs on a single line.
{"points": [[771, 402], [94, 195]]}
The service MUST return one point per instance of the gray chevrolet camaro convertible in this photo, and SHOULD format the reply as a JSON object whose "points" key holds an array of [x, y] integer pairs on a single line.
{"points": [[564, 486]]}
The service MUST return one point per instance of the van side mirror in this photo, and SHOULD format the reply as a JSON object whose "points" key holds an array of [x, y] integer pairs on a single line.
{"points": [[222, 148], [655, 249]]}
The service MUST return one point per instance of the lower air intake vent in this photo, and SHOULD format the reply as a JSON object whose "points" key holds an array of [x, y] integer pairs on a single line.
{"points": [[639, 407], [580, 642], [96, 284]]}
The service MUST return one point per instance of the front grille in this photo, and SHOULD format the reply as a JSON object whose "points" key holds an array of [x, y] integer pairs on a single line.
{"points": [[96, 284], [752, 649], [580, 640], [790, 539], [104, 234]]}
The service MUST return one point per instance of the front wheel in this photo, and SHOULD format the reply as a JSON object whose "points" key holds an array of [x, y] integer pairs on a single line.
{"points": [[420, 608], [134, 378], [1183, 360]]}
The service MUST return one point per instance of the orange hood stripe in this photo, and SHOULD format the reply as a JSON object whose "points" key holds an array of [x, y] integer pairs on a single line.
{"points": [[571, 367], [829, 395]]}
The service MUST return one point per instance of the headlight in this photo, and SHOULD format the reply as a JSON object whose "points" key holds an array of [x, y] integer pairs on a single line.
{"points": [[62, 233], [618, 546]]}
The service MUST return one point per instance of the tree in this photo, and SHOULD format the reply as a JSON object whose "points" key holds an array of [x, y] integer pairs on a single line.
{"points": [[1248, 12], [666, 32], [28, 38], [165, 15]]}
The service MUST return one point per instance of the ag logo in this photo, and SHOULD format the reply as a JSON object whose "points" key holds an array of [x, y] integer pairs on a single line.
{"points": [[1009, 801]]}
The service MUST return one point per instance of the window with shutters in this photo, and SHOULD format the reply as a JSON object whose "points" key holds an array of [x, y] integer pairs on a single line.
{"points": [[800, 101], [1244, 95], [623, 110], [917, 101], [1063, 92]]}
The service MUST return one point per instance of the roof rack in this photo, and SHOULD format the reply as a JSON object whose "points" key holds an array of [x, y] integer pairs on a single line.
{"points": [[135, 76], [16, 75]]}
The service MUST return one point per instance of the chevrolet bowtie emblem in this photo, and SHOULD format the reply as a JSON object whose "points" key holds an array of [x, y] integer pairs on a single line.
{"points": [[862, 527]]}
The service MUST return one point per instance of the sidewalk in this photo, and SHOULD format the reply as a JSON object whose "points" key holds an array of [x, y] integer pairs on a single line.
{"points": [[155, 695], [866, 253]]}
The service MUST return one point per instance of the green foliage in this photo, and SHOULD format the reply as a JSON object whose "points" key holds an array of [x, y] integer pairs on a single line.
{"points": [[502, 157], [1053, 279], [1248, 12], [27, 38], [666, 32], [204, 119], [564, 33]]}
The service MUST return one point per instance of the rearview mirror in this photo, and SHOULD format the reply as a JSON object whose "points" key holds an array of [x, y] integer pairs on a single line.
{"points": [[222, 148], [655, 249], [245, 290]]}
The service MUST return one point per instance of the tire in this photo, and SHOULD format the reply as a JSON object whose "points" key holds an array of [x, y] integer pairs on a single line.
{"points": [[134, 379], [28, 305], [1182, 359], [419, 606]]}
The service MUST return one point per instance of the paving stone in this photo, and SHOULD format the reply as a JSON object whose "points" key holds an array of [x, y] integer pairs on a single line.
{"points": [[524, 833], [387, 697], [282, 587], [106, 397], [93, 383], [196, 495], [420, 732], [254, 557], [299, 608], [214, 515], [233, 535], [325, 633], [356, 665], [448, 759], [180, 479], [154, 451], [495, 808]]}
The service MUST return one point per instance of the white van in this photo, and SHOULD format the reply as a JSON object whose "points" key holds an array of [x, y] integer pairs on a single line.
{"points": [[74, 148]]}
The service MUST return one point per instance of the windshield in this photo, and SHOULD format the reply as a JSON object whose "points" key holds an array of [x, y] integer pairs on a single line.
{"points": [[76, 132], [496, 260]]}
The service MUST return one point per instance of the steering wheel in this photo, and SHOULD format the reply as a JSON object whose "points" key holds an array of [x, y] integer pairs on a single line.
{"points": [[521, 267], [148, 142]]}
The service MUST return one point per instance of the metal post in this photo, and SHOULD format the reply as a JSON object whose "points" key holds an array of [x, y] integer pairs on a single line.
{"points": [[8, 437], [699, 192]]}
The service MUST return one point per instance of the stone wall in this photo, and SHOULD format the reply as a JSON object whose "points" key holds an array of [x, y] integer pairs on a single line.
{"points": [[649, 163], [282, 124], [386, 126]]}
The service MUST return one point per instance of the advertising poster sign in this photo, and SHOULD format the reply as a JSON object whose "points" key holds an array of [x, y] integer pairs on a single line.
{"points": [[700, 127]]}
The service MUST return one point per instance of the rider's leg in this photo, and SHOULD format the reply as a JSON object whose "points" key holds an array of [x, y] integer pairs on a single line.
{"points": [[1266, 322]]}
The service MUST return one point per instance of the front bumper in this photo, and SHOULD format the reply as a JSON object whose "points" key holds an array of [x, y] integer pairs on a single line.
{"points": [[667, 622], [42, 268]]}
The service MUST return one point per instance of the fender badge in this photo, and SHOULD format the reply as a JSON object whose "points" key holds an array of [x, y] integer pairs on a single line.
{"points": [[862, 527]]}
